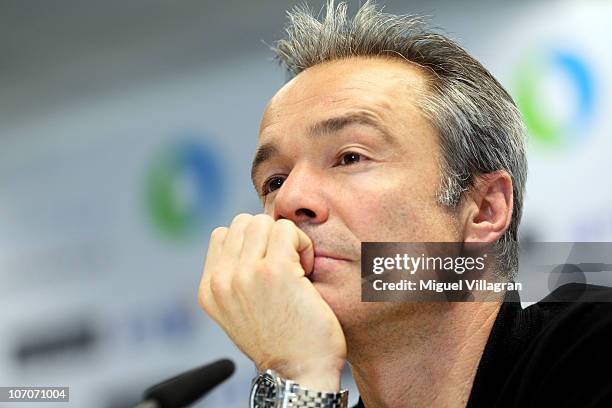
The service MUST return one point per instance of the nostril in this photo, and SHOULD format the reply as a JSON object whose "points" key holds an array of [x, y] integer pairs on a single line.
{"points": [[306, 212]]}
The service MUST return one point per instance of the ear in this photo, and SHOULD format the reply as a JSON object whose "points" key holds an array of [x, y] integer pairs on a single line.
{"points": [[487, 209]]}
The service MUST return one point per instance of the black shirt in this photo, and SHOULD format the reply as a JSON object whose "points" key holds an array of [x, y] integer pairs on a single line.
{"points": [[550, 354]]}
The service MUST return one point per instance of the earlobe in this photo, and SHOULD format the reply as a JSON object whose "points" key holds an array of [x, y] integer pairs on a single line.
{"points": [[488, 209]]}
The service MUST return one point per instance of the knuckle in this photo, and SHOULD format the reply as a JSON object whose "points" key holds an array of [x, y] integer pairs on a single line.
{"points": [[218, 286], [265, 270], [263, 217], [218, 232], [241, 218], [260, 221], [238, 284], [205, 297], [203, 300], [260, 266], [283, 226]]}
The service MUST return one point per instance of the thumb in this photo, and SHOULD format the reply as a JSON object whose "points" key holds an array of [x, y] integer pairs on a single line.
{"points": [[305, 249]]}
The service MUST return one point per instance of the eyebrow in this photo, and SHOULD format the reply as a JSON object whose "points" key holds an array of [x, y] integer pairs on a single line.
{"points": [[327, 126]]}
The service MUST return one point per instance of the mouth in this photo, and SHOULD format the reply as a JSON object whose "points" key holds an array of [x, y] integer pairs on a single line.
{"points": [[326, 263], [328, 256]]}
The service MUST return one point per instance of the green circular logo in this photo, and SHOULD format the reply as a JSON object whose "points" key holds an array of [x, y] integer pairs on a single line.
{"points": [[183, 189], [537, 106]]}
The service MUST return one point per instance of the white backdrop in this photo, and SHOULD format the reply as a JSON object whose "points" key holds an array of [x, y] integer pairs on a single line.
{"points": [[98, 296]]}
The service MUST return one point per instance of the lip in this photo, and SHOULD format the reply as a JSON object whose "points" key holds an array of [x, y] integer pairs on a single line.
{"points": [[324, 264], [324, 254]]}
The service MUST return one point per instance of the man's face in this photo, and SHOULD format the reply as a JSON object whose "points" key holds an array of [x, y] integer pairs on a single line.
{"points": [[345, 153]]}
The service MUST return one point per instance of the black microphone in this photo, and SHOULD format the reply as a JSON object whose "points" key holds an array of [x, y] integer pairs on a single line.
{"points": [[186, 388]]}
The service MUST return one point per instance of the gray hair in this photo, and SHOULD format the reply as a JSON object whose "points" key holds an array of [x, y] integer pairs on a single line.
{"points": [[481, 130]]}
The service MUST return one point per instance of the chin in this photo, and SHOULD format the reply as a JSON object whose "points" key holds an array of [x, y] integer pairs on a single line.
{"points": [[342, 292]]}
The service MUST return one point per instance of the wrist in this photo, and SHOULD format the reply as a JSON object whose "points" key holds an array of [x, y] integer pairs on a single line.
{"points": [[320, 375], [322, 382]]}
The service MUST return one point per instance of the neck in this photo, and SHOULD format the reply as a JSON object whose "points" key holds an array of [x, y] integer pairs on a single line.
{"points": [[426, 356]]}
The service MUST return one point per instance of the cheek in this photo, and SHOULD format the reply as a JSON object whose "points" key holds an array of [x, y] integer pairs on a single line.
{"points": [[397, 212]]}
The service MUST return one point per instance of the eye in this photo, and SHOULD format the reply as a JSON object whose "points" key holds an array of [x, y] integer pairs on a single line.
{"points": [[271, 184], [349, 158]]}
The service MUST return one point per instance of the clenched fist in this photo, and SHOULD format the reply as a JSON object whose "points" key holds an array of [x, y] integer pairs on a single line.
{"points": [[255, 286]]}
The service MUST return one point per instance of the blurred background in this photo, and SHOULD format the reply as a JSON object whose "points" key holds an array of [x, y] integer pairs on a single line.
{"points": [[127, 130]]}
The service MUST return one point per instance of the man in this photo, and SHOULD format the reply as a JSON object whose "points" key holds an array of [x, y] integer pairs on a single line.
{"points": [[386, 133]]}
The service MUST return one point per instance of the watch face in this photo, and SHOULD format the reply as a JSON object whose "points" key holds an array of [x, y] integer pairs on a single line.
{"points": [[264, 393]]}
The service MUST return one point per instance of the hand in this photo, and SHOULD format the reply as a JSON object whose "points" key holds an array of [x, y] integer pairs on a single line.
{"points": [[255, 287]]}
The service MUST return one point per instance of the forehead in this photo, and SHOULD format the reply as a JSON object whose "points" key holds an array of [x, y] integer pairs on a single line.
{"points": [[387, 87]]}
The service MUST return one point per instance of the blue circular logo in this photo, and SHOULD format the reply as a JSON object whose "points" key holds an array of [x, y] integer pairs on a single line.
{"points": [[184, 188], [536, 107]]}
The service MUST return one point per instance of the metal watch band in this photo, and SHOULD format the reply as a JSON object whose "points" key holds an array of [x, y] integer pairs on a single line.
{"points": [[303, 398], [272, 391]]}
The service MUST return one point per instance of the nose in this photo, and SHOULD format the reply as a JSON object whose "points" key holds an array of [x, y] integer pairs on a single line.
{"points": [[301, 197]]}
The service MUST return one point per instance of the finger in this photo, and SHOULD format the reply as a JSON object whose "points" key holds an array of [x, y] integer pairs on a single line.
{"points": [[235, 236], [215, 244], [255, 240], [287, 241], [213, 254]]}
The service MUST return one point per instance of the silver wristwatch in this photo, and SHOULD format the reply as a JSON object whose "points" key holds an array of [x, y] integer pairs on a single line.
{"points": [[269, 390]]}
